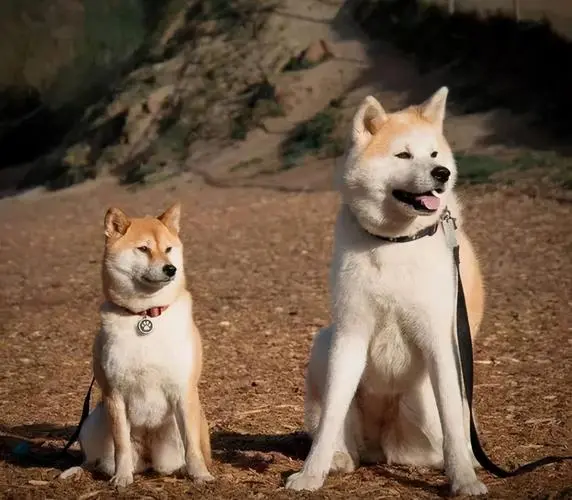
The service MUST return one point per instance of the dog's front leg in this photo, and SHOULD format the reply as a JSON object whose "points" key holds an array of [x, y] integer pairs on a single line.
{"points": [[445, 382], [121, 434], [345, 367], [189, 420]]}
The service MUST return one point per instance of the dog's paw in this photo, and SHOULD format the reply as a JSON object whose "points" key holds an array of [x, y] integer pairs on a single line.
{"points": [[199, 473], [205, 477], [470, 488], [303, 481], [342, 462], [122, 480]]}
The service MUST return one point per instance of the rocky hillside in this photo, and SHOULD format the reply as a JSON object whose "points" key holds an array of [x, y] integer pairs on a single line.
{"points": [[244, 90]]}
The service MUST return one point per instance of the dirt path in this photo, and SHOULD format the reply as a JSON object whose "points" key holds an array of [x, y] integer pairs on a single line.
{"points": [[258, 262]]}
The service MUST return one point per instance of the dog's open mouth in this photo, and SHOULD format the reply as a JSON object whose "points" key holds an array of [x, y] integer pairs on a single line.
{"points": [[426, 202]]}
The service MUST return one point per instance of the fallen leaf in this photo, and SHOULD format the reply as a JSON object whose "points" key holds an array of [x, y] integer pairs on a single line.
{"points": [[91, 494]]}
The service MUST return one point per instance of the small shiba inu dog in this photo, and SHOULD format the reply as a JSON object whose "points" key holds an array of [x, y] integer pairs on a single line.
{"points": [[382, 382], [147, 357]]}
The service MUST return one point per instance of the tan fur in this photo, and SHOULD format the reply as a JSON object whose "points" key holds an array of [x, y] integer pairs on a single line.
{"points": [[147, 412], [472, 282], [395, 125]]}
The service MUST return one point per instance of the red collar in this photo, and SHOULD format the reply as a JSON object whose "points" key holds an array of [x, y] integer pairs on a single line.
{"points": [[152, 312]]}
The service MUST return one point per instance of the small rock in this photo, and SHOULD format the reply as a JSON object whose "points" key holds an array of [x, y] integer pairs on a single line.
{"points": [[317, 51], [224, 324]]}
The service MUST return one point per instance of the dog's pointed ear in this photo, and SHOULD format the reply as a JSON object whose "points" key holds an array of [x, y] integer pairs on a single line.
{"points": [[116, 223], [433, 109], [172, 217], [368, 120]]}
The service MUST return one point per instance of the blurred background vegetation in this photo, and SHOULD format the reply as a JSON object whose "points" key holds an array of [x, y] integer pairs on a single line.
{"points": [[57, 56]]}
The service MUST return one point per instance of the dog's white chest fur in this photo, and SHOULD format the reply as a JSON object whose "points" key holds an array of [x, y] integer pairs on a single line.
{"points": [[405, 288], [150, 371]]}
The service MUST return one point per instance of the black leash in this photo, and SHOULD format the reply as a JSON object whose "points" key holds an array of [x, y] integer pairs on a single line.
{"points": [[466, 351], [84, 414], [466, 355]]}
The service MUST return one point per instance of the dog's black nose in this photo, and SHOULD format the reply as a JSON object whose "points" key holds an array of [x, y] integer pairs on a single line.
{"points": [[441, 174], [169, 270]]}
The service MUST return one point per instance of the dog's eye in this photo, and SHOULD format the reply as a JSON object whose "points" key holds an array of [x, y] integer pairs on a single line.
{"points": [[434, 154], [404, 155], [168, 249], [143, 249]]}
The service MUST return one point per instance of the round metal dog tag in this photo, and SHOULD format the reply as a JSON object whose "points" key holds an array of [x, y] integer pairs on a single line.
{"points": [[145, 326]]}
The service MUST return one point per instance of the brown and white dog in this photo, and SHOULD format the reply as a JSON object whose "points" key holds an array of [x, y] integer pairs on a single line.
{"points": [[382, 381], [147, 357]]}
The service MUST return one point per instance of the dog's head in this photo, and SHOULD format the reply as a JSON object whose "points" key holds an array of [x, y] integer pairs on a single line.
{"points": [[143, 256], [399, 170]]}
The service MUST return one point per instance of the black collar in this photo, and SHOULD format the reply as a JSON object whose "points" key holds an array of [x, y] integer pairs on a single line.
{"points": [[427, 231]]}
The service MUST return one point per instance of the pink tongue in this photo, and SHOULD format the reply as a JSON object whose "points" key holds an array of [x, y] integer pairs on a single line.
{"points": [[428, 201]]}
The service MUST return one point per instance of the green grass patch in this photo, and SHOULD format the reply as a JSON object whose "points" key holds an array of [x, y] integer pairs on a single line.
{"points": [[564, 179], [477, 169], [314, 136]]}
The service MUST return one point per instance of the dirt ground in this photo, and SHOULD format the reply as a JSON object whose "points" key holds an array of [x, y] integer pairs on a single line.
{"points": [[257, 259]]}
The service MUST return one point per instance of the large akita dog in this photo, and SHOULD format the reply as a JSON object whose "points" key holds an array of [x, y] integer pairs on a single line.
{"points": [[382, 382]]}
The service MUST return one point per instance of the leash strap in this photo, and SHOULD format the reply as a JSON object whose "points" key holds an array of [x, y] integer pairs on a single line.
{"points": [[466, 356], [84, 414]]}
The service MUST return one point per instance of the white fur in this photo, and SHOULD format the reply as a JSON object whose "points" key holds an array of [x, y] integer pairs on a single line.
{"points": [[151, 372], [385, 370]]}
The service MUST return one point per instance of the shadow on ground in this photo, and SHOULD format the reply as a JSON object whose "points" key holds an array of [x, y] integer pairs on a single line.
{"points": [[30, 446], [25, 446], [33, 446]]}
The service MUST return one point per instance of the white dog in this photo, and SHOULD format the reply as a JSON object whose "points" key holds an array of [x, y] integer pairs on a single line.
{"points": [[382, 382]]}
